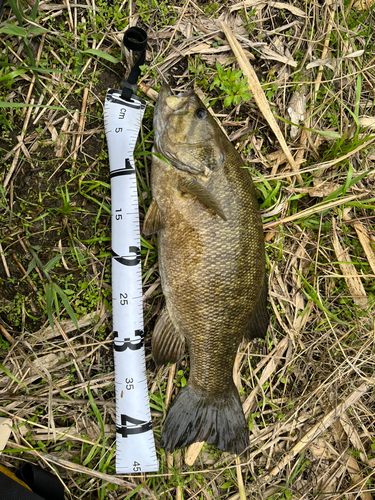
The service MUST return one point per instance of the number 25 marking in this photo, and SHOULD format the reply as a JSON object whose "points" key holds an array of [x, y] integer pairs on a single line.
{"points": [[124, 299]]}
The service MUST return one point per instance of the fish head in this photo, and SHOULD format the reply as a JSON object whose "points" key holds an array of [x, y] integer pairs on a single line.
{"points": [[186, 134]]}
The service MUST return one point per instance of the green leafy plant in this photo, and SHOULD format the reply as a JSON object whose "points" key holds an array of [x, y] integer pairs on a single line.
{"points": [[232, 85]]}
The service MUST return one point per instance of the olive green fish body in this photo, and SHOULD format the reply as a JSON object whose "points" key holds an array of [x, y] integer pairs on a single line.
{"points": [[207, 267], [212, 268]]}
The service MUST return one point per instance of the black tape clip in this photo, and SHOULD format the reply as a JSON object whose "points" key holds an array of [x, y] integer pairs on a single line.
{"points": [[134, 39]]}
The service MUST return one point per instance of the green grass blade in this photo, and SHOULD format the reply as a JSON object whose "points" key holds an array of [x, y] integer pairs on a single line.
{"points": [[36, 30], [16, 11], [49, 302], [31, 265], [348, 184], [94, 449], [12, 75], [65, 301], [95, 409], [12, 29], [34, 11], [312, 295], [56, 301], [102, 54], [6, 104], [133, 492], [104, 465], [344, 105], [51, 264], [324, 133], [7, 372]]}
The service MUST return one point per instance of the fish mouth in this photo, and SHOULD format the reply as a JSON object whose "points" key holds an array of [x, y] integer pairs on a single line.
{"points": [[167, 104]]}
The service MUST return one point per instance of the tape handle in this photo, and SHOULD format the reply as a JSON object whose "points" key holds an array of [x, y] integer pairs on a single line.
{"points": [[135, 38]]}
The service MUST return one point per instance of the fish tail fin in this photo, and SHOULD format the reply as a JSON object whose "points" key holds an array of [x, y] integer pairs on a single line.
{"points": [[197, 416]]}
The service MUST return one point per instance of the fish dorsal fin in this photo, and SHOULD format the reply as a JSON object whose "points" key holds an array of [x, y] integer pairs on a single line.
{"points": [[168, 345], [260, 319], [195, 188], [152, 223]]}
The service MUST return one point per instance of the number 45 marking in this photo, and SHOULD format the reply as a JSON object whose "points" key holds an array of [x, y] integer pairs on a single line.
{"points": [[136, 467]]}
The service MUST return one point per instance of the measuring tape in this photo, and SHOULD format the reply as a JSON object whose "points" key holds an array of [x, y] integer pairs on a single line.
{"points": [[135, 447]]}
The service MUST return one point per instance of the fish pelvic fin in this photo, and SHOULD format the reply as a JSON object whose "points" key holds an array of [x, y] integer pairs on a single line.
{"points": [[197, 416], [168, 345], [153, 221], [195, 188], [260, 318]]}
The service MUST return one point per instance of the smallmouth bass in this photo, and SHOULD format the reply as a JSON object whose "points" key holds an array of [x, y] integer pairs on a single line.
{"points": [[212, 268]]}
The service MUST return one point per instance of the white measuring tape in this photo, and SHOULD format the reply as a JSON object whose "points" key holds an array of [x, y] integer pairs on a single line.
{"points": [[135, 447]]}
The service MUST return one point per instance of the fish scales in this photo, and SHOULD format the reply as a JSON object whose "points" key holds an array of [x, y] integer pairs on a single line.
{"points": [[212, 268]]}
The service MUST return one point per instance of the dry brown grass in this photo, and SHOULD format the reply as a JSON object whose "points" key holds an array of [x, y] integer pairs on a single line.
{"points": [[308, 389]]}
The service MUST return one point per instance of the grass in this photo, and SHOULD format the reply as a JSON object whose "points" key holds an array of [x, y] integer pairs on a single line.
{"points": [[56, 63]]}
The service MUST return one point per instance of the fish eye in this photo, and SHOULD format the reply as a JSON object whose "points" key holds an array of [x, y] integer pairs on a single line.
{"points": [[201, 113]]}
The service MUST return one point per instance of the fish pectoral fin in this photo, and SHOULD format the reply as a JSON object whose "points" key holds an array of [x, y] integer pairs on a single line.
{"points": [[168, 345], [260, 319], [153, 222], [195, 188]]}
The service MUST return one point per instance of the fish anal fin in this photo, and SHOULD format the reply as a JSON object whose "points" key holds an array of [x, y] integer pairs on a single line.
{"points": [[168, 345], [195, 188], [153, 222], [260, 318]]}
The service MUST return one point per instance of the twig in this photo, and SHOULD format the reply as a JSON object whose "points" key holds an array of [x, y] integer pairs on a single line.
{"points": [[192, 452], [348, 270], [152, 94], [363, 237], [81, 124], [172, 371], [4, 261], [65, 337], [6, 334], [241, 486]]}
